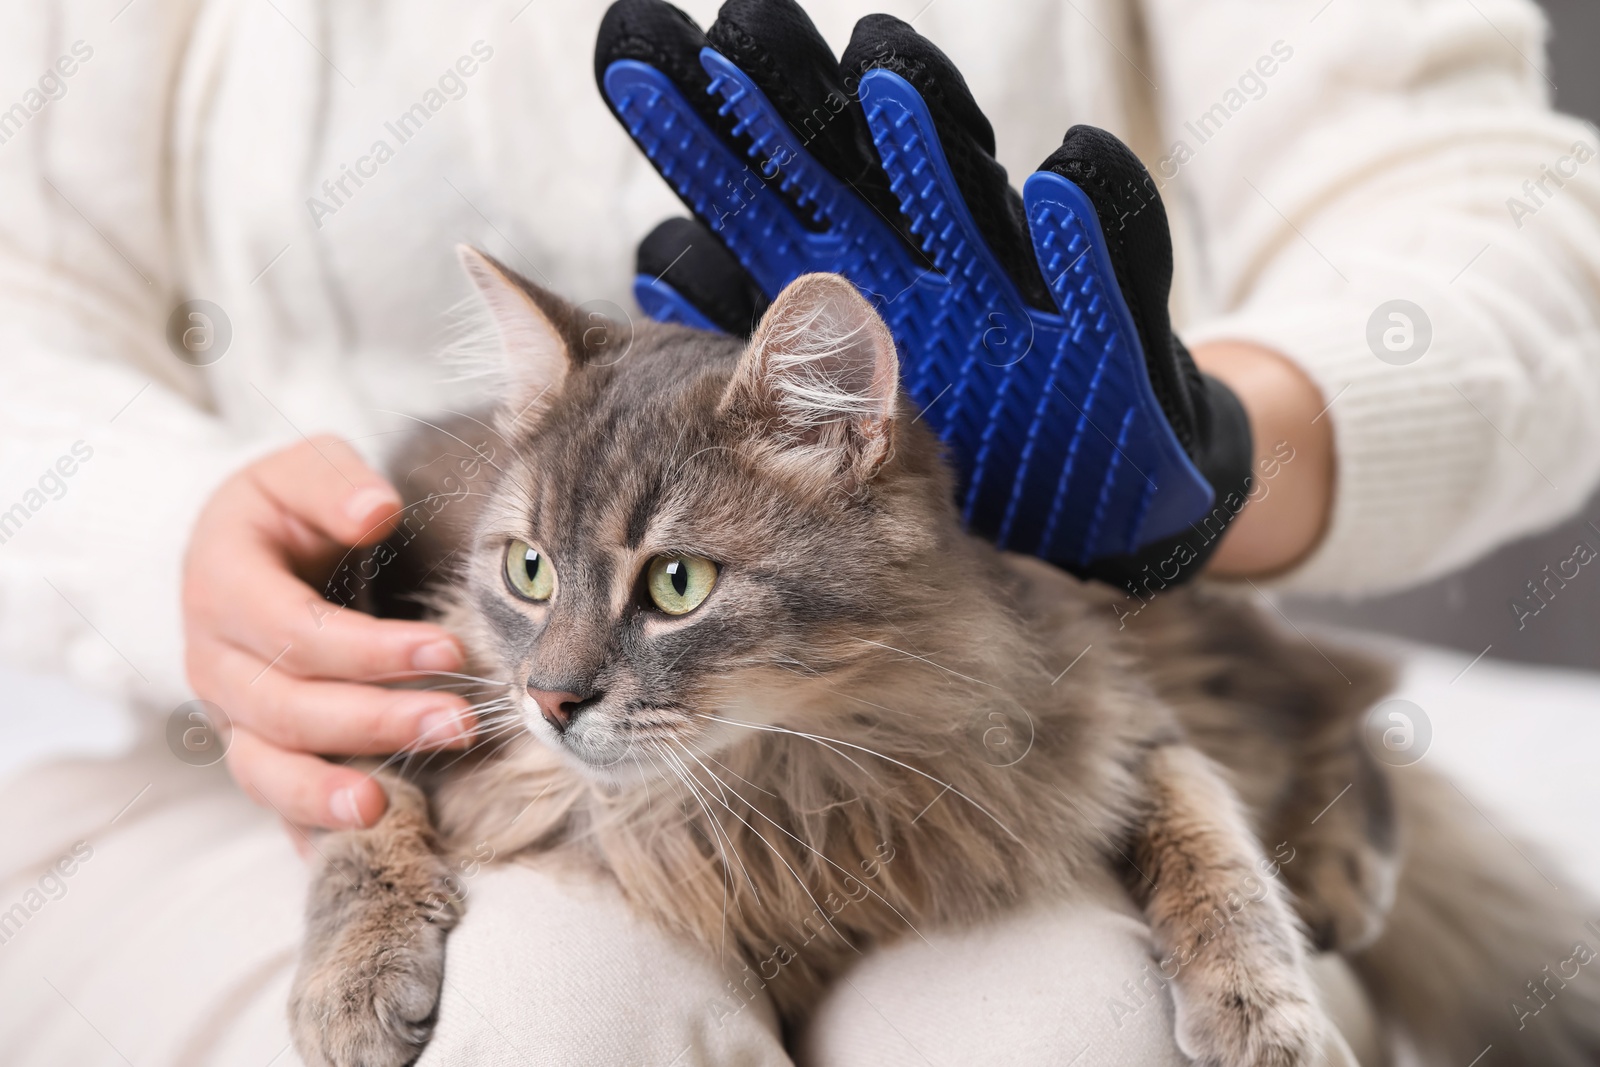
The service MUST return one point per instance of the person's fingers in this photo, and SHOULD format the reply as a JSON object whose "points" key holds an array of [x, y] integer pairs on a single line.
{"points": [[304, 790], [342, 643], [238, 587], [325, 484], [332, 717], [289, 624]]}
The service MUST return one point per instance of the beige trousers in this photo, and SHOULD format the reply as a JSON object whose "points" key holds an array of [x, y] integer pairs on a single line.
{"points": [[149, 915]]}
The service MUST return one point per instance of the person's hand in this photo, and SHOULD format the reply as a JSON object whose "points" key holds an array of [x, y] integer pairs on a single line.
{"points": [[1033, 326], [290, 669]]}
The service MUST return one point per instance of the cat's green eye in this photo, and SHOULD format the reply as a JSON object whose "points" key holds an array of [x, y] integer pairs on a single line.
{"points": [[529, 571], [679, 584]]}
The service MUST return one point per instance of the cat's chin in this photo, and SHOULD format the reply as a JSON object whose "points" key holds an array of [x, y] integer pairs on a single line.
{"points": [[607, 762]]}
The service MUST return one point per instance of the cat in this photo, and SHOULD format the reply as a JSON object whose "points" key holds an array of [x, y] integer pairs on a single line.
{"points": [[750, 667]]}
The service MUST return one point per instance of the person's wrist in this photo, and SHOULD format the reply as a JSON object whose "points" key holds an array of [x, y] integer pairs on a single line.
{"points": [[1291, 494]]}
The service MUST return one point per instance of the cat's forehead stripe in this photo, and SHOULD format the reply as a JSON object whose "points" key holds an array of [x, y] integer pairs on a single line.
{"points": [[644, 506]]}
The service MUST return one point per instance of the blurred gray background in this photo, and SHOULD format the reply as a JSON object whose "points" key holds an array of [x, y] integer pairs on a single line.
{"points": [[1470, 610]]}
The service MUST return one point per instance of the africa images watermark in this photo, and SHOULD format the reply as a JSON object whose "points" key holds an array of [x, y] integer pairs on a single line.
{"points": [[1540, 989], [52, 85], [743, 991], [52, 886], [1251, 86], [351, 577], [52, 485], [1537, 191], [742, 194], [452, 85], [1542, 591], [199, 733], [1161, 574]]}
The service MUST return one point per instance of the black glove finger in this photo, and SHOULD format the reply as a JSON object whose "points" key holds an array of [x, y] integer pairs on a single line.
{"points": [[659, 35], [778, 47], [656, 33], [779, 43], [1208, 419], [882, 41], [689, 257], [1134, 223]]}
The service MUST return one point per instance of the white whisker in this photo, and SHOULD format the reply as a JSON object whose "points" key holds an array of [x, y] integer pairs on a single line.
{"points": [[392, 675], [785, 730], [823, 740], [800, 881], [444, 431], [709, 448], [929, 662], [784, 830], [683, 774], [480, 422], [721, 836], [739, 776]]}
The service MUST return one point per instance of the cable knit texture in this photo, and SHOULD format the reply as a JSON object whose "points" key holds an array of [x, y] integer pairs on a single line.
{"points": [[229, 151]]}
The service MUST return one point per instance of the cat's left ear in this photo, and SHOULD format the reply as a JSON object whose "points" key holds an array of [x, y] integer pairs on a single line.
{"points": [[821, 379], [538, 335]]}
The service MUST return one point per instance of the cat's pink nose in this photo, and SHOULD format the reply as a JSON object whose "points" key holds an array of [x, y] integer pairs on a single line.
{"points": [[557, 707]]}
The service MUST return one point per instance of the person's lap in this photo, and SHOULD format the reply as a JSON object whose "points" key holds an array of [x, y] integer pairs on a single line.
{"points": [[1034, 989], [179, 915], [1037, 986], [172, 941]]}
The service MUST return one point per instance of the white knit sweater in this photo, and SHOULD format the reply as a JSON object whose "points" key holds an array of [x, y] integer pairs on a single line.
{"points": [[1319, 157]]}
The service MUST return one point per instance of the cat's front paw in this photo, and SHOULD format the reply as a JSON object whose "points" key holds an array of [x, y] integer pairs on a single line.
{"points": [[1344, 895], [1228, 1023], [367, 990], [364, 1006]]}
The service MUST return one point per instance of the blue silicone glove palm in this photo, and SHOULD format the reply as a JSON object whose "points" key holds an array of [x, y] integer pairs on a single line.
{"points": [[1033, 328]]}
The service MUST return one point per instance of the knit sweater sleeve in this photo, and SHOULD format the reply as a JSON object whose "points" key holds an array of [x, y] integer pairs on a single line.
{"points": [[106, 448], [1385, 196]]}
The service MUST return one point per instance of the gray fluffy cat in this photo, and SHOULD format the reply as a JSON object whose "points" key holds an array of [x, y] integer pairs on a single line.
{"points": [[742, 646]]}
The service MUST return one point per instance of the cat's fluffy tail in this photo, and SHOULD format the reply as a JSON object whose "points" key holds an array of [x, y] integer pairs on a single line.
{"points": [[1484, 960]]}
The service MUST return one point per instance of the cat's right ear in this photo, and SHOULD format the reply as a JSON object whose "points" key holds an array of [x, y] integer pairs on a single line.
{"points": [[820, 379], [534, 326]]}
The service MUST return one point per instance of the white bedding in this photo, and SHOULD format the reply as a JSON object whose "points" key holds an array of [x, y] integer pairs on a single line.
{"points": [[1524, 743]]}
